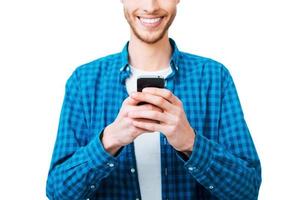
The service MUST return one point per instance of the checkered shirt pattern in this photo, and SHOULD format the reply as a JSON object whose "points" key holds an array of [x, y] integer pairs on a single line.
{"points": [[223, 165]]}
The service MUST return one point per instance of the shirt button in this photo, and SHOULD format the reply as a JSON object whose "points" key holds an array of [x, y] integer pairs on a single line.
{"points": [[92, 186], [211, 187], [137, 199], [191, 168], [111, 164], [132, 170], [88, 199]]}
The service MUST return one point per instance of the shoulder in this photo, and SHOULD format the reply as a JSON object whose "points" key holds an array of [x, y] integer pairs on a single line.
{"points": [[104, 63], [203, 65], [96, 69]]}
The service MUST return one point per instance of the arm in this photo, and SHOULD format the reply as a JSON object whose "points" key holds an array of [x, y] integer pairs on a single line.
{"points": [[229, 169], [76, 170]]}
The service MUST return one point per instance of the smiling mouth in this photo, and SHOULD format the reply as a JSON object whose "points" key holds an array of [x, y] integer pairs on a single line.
{"points": [[150, 22]]}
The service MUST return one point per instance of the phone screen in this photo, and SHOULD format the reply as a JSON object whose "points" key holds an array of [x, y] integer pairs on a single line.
{"points": [[143, 82]]}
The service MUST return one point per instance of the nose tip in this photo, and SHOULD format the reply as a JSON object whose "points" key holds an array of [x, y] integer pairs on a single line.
{"points": [[151, 6]]}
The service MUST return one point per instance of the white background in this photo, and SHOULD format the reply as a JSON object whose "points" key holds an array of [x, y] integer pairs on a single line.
{"points": [[43, 41]]}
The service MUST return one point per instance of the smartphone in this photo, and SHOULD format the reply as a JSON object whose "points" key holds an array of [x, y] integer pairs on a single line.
{"points": [[149, 81]]}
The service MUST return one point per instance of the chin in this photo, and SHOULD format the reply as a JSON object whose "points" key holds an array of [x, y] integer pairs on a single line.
{"points": [[150, 36], [150, 39]]}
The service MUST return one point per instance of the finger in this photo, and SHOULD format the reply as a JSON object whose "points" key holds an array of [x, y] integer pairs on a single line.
{"points": [[128, 107], [162, 92], [145, 107], [137, 130], [140, 130], [148, 126], [141, 108], [148, 114], [130, 101], [152, 99], [145, 120], [129, 125]]}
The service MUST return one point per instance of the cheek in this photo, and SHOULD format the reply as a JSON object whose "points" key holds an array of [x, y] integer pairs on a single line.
{"points": [[170, 6], [130, 5], [127, 14]]}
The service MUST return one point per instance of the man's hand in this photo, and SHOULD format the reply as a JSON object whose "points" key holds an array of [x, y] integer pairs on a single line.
{"points": [[122, 131], [172, 120]]}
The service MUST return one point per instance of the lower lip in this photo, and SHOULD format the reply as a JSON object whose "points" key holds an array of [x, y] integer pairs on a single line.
{"points": [[151, 25]]}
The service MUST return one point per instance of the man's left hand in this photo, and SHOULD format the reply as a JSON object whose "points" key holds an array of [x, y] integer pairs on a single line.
{"points": [[172, 120]]}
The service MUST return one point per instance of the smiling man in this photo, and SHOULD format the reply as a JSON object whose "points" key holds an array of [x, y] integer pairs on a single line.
{"points": [[189, 141]]}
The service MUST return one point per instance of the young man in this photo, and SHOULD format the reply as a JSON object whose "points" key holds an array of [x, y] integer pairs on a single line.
{"points": [[189, 141]]}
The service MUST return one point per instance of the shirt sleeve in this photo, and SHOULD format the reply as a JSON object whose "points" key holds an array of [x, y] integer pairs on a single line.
{"points": [[76, 170], [230, 168]]}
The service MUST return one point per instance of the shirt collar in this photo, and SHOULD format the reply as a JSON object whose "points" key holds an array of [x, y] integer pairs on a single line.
{"points": [[175, 55]]}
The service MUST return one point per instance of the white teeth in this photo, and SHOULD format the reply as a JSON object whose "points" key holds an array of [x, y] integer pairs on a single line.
{"points": [[150, 21]]}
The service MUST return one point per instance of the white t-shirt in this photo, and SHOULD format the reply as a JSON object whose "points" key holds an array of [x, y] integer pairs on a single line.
{"points": [[147, 145]]}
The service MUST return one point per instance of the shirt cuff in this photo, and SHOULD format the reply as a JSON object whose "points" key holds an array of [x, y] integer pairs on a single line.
{"points": [[99, 157], [201, 158]]}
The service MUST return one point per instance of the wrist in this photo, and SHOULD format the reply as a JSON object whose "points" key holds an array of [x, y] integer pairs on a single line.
{"points": [[188, 149], [108, 142]]}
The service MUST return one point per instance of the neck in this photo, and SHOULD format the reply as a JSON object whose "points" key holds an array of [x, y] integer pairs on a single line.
{"points": [[150, 57]]}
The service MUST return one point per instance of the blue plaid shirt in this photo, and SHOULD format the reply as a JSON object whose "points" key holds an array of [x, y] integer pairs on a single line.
{"points": [[223, 165]]}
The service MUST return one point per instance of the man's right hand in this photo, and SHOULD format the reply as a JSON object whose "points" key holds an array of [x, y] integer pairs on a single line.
{"points": [[122, 132]]}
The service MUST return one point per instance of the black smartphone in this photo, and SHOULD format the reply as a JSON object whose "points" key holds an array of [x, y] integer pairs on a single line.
{"points": [[149, 81]]}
